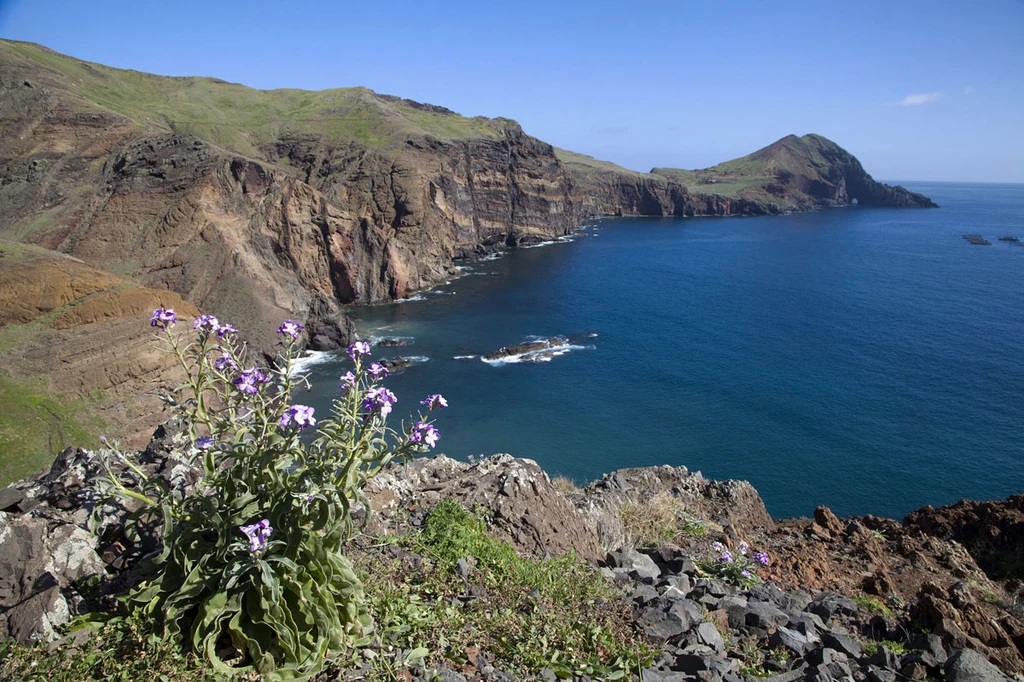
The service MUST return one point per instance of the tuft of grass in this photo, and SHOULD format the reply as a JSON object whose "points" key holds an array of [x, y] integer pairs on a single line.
{"points": [[532, 614], [658, 520], [872, 605], [871, 648], [565, 485], [35, 425]]}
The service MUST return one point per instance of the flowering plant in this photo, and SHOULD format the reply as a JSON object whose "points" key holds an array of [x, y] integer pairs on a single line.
{"points": [[738, 568], [251, 570]]}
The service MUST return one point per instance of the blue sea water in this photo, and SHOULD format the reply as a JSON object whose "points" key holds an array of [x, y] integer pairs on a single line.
{"points": [[867, 359]]}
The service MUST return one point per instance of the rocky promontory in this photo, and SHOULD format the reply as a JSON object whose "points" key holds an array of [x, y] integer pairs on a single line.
{"points": [[860, 598]]}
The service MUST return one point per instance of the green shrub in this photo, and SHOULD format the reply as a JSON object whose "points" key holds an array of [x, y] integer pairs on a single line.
{"points": [[251, 575], [532, 614]]}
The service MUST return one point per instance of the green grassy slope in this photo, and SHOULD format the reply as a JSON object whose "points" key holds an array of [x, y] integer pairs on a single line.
{"points": [[242, 118]]}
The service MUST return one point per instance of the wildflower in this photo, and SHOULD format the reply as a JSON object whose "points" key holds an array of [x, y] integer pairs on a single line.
{"points": [[379, 399], [745, 574], [743, 547], [224, 330], [163, 318], [718, 547], [358, 348], [291, 328], [726, 557], [424, 433], [224, 362], [472, 459], [301, 415], [258, 534], [205, 442], [103, 438], [761, 558], [206, 323], [434, 402], [248, 379], [378, 370], [348, 381]]}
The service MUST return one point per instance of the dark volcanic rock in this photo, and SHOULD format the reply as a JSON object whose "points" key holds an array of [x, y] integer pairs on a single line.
{"points": [[533, 351]]}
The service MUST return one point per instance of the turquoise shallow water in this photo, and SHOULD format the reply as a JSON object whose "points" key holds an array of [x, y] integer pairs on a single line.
{"points": [[867, 359]]}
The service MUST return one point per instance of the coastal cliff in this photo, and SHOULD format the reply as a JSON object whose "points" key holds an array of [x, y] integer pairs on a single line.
{"points": [[257, 206], [792, 174]]}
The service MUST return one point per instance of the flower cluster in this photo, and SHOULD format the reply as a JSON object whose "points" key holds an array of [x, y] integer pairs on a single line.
{"points": [[248, 380], [300, 415], [735, 568], [290, 328], [378, 399], [258, 534], [357, 349], [435, 402], [163, 318], [424, 433], [205, 442]]}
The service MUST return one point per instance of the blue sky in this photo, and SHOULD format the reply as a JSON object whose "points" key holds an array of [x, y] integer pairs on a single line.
{"points": [[917, 90]]}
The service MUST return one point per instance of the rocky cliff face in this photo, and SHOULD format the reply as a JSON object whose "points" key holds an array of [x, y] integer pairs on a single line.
{"points": [[365, 198], [792, 174], [297, 234]]}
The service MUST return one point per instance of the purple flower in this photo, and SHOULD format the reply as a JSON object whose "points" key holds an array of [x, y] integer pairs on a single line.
{"points": [[718, 547], [258, 534], [163, 318], [247, 381], [743, 547], [726, 557], [291, 328], [434, 402], [472, 459], [301, 415], [205, 442], [103, 438], [358, 348], [348, 381], [378, 371], [761, 558], [745, 574], [225, 361], [206, 323], [424, 433], [379, 399], [224, 330]]}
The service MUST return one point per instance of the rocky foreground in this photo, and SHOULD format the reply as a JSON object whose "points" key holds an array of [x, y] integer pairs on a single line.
{"points": [[860, 598]]}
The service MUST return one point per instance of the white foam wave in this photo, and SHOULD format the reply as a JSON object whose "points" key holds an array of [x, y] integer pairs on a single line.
{"points": [[411, 299], [463, 357], [399, 340], [494, 256], [416, 358], [542, 355], [312, 357]]}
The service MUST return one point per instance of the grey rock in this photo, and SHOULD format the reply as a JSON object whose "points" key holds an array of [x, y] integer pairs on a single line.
{"points": [[692, 663], [447, 675], [930, 643], [681, 582], [808, 624], [548, 675], [644, 594], [672, 593], [789, 639], [664, 625], [651, 675], [881, 674], [847, 645], [465, 566], [632, 561], [708, 635], [884, 658], [791, 676], [967, 665], [827, 605], [914, 670], [10, 498], [764, 615]]}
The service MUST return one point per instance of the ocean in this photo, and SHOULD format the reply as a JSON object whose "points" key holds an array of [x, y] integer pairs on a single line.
{"points": [[862, 358]]}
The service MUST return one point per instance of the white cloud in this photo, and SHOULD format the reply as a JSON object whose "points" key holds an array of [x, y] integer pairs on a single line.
{"points": [[917, 99]]}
